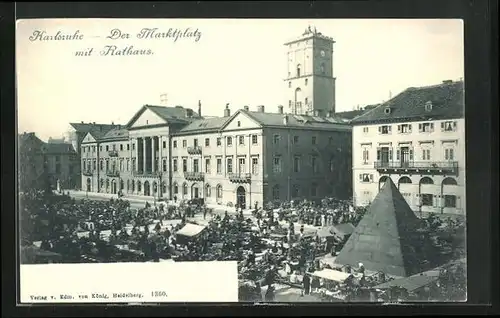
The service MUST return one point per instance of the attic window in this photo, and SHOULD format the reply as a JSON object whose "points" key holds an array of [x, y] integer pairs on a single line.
{"points": [[147, 121], [387, 110], [239, 123], [428, 106]]}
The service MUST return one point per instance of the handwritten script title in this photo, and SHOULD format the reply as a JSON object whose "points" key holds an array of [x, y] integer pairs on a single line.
{"points": [[172, 34]]}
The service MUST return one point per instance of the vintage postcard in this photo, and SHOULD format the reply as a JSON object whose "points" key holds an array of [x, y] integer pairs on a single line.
{"points": [[241, 160]]}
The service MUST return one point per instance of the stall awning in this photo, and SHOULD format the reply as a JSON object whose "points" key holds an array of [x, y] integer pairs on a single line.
{"points": [[191, 230], [332, 274], [343, 229], [325, 232]]}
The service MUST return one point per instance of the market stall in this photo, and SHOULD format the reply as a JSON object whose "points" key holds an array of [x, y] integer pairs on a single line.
{"points": [[189, 233]]}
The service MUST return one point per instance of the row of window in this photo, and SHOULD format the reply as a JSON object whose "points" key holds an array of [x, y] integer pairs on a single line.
{"points": [[241, 168], [385, 154], [107, 147], [446, 126]]}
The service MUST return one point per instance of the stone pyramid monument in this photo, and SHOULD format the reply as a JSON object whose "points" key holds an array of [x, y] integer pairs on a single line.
{"points": [[388, 239]]}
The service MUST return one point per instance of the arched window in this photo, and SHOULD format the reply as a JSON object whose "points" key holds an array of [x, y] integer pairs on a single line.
{"points": [[133, 185], [184, 189], [107, 184], [155, 187], [404, 180], [449, 181], [298, 70], [164, 187], [207, 191], [139, 188], [426, 180], [122, 184], [128, 185], [276, 192], [296, 191], [176, 188], [219, 191], [102, 183]]}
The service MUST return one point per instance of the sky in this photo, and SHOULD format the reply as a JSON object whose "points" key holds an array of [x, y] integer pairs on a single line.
{"points": [[238, 61]]}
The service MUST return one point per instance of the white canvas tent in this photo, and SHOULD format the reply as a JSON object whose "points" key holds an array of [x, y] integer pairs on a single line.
{"points": [[191, 230], [332, 274]]}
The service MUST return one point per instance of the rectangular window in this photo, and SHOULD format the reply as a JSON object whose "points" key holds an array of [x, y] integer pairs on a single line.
{"points": [[174, 164], [229, 141], [196, 167], [207, 165], [449, 154], [219, 165], [94, 165], [255, 165], [277, 165], [427, 199], [175, 144], [404, 128], [184, 165], [366, 177], [128, 164], [314, 164], [450, 201], [207, 142], [241, 165], [184, 143], [254, 139], [276, 139], [384, 130], [296, 164], [114, 147], [195, 142], [366, 156], [176, 188], [128, 147], [449, 126], [164, 163], [58, 168], [107, 148], [133, 164], [295, 139], [313, 140], [229, 165], [121, 147], [164, 144], [426, 154], [219, 142], [365, 130], [241, 140], [426, 127], [100, 148]]}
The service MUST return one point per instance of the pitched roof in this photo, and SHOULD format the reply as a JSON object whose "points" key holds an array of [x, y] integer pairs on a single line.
{"points": [[117, 133], [177, 114], [87, 127], [387, 238], [447, 101], [205, 124], [294, 121]]}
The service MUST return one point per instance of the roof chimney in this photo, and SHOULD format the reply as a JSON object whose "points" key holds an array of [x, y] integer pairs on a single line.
{"points": [[246, 107], [260, 108], [82, 121], [280, 109], [189, 112], [93, 123], [112, 123], [285, 120], [199, 108], [163, 99], [227, 111]]}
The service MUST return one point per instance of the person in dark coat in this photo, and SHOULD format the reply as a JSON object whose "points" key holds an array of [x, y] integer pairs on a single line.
{"points": [[270, 293], [307, 284]]}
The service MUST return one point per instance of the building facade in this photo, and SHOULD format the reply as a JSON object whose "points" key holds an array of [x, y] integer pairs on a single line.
{"points": [[247, 158], [418, 140], [310, 84]]}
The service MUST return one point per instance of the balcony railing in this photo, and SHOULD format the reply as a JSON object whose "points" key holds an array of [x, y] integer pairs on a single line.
{"points": [[113, 173], [87, 172], [113, 153], [147, 174], [194, 176], [431, 167], [196, 150], [240, 177]]}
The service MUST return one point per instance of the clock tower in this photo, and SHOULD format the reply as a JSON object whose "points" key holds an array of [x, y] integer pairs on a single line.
{"points": [[310, 84]]}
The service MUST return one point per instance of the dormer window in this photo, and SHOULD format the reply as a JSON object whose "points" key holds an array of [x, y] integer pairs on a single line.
{"points": [[428, 106], [387, 110]]}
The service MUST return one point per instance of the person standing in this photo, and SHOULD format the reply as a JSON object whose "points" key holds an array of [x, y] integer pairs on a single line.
{"points": [[270, 293], [307, 283]]}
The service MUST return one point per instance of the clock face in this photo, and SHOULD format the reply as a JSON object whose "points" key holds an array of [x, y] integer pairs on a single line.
{"points": [[322, 53]]}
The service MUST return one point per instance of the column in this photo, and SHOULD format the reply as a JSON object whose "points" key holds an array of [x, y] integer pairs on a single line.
{"points": [[153, 156], [136, 145], [144, 155]]}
